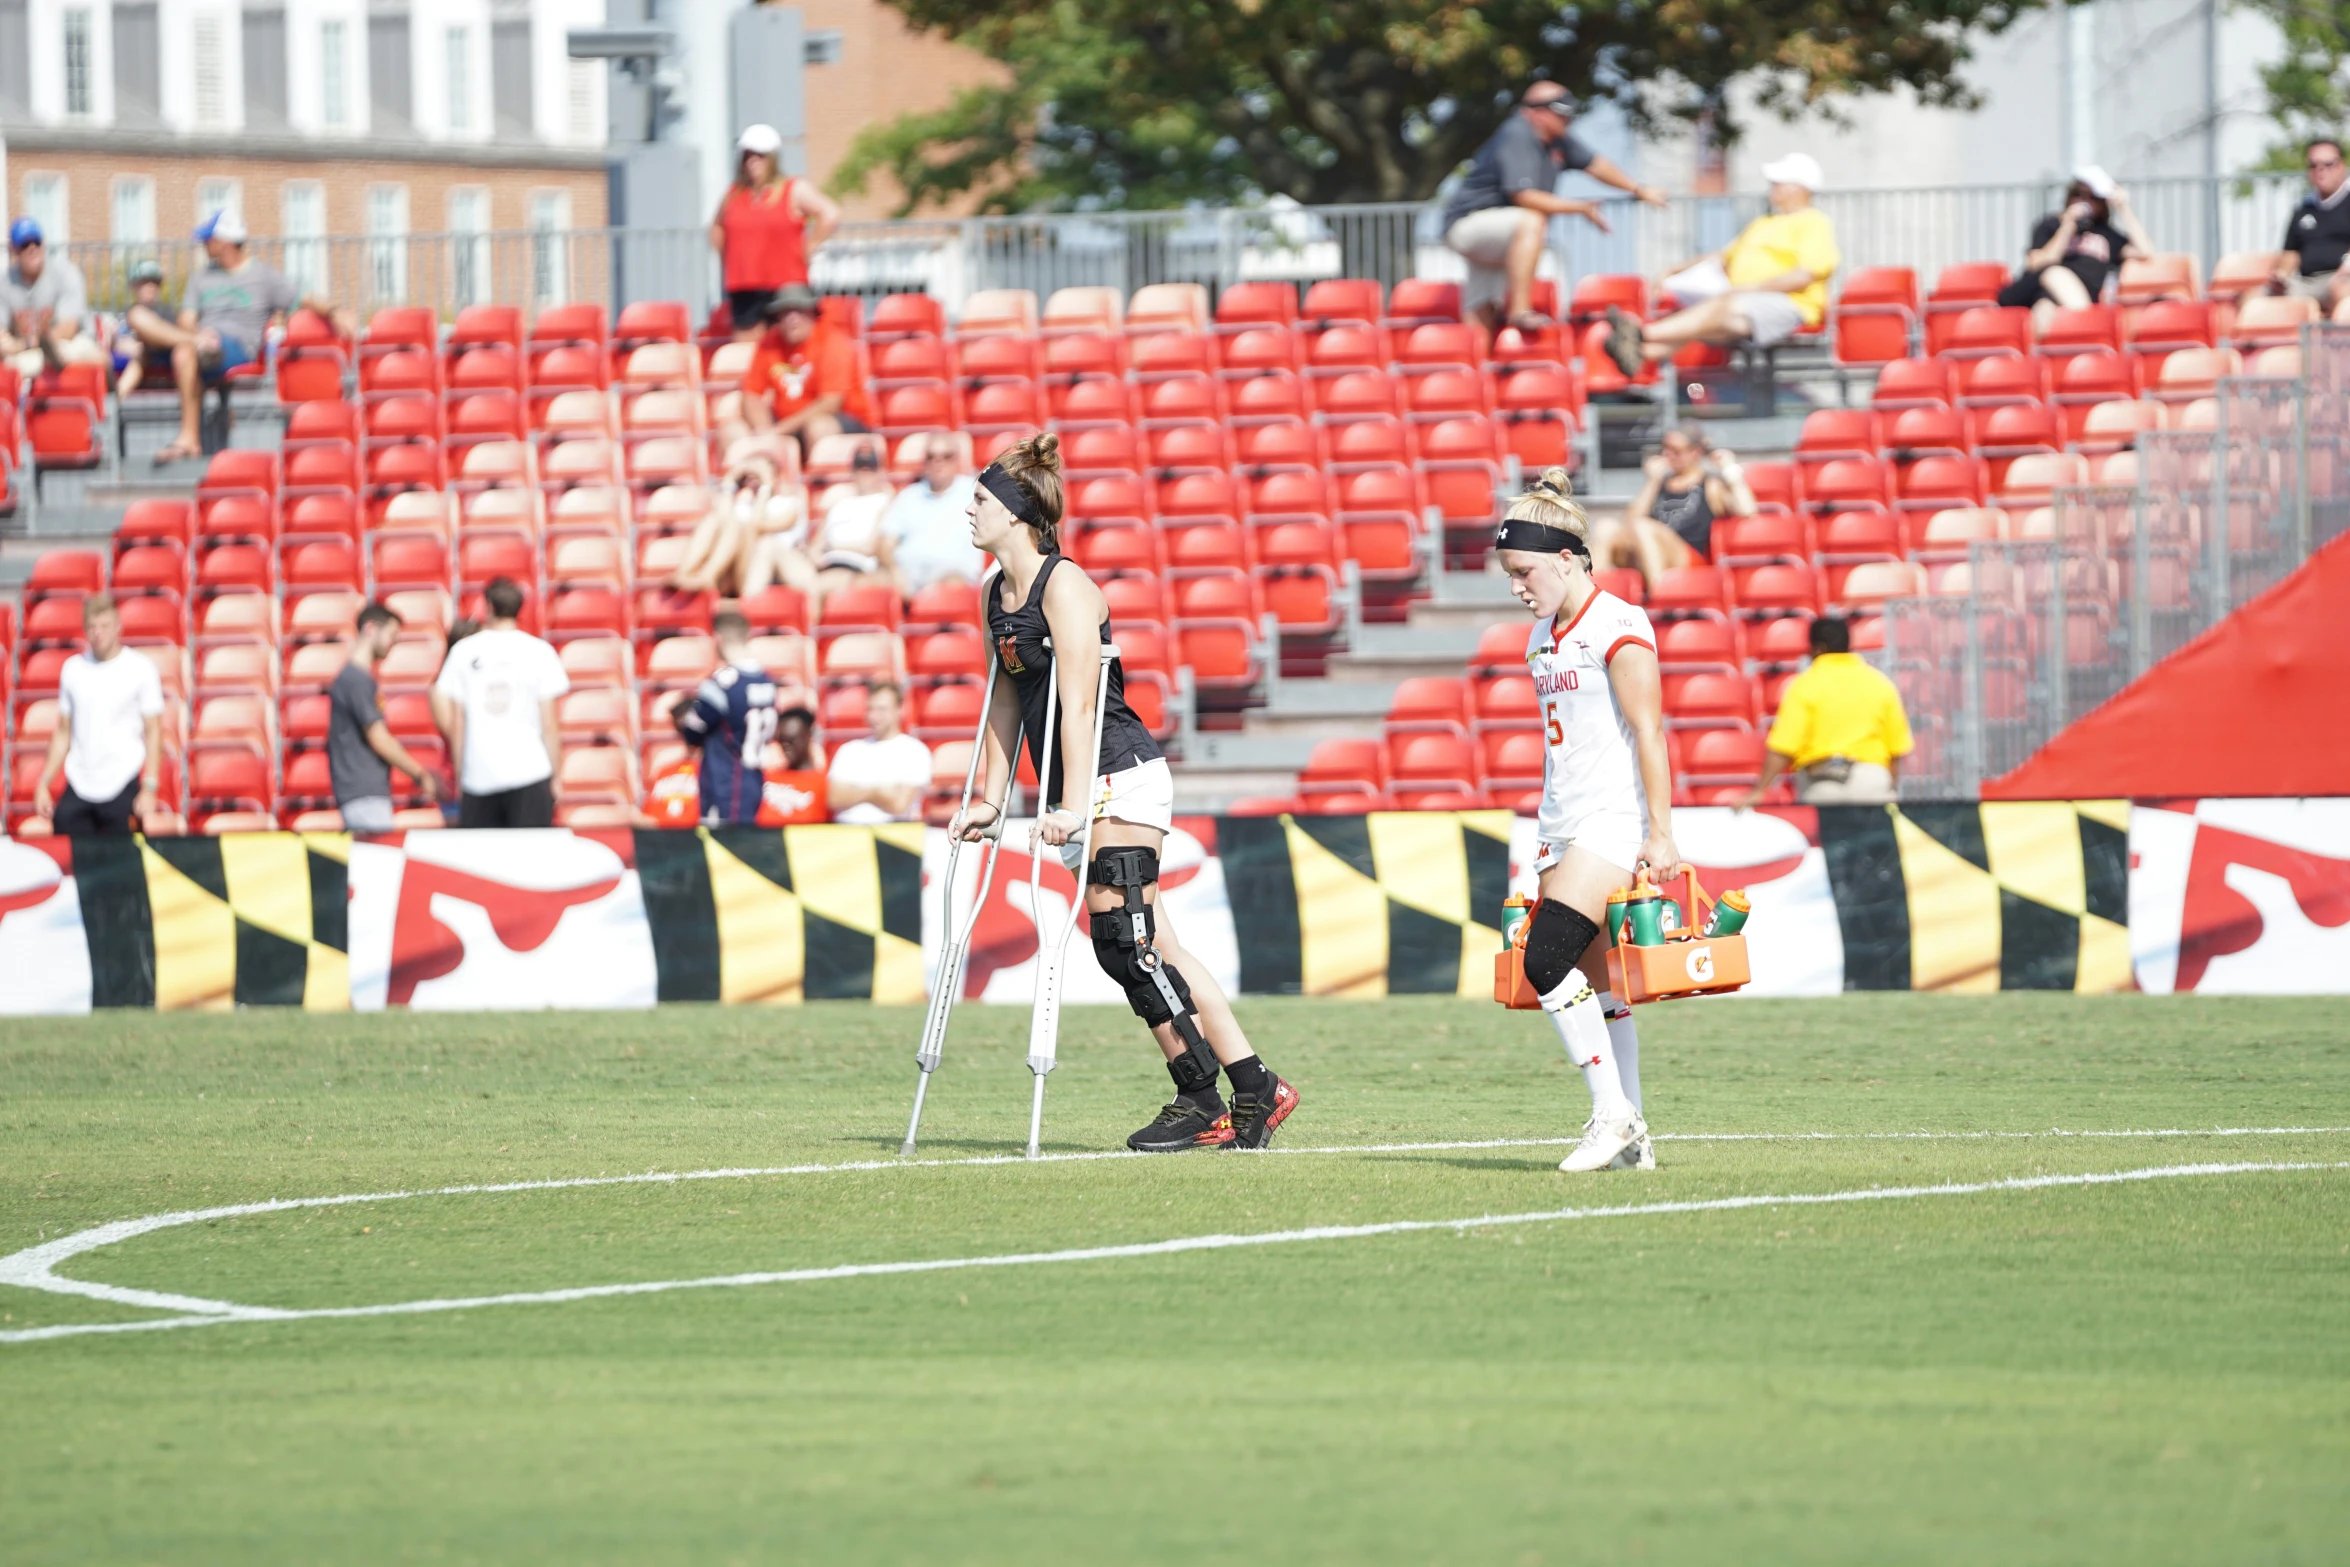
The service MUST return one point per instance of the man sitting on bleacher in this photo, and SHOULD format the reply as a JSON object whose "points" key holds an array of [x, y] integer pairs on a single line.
{"points": [[1768, 284], [803, 382], [224, 323], [44, 307]]}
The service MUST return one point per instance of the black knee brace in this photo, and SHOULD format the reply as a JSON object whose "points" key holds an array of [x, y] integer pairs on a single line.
{"points": [[1122, 942], [1554, 944]]}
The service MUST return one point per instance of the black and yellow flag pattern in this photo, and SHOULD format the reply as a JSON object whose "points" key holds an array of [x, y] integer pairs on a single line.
{"points": [[2026, 895], [783, 915], [247, 920], [1394, 903]]}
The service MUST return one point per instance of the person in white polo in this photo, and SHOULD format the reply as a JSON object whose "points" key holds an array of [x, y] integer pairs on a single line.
{"points": [[882, 779], [495, 701], [109, 736]]}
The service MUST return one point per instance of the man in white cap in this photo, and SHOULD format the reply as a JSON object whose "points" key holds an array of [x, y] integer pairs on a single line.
{"points": [[224, 322], [2074, 251], [1768, 284]]}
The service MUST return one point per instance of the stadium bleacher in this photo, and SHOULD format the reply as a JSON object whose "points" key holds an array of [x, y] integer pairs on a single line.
{"points": [[1233, 462]]}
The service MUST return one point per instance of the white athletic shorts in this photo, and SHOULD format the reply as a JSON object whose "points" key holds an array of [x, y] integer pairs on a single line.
{"points": [[1143, 794], [1615, 836]]}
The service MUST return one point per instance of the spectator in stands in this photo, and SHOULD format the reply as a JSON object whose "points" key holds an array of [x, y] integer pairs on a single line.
{"points": [[1768, 284], [140, 349], [765, 229], [1840, 729], [2318, 234], [495, 702], [728, 720], [1670, 523], [1499, 215], [224, 323], [2074, 251], [849, 542], [44, 307], [929, 524], [796, 785], [804, 380], [361, 750], [755, 533], [882, 779], [109, 734]]}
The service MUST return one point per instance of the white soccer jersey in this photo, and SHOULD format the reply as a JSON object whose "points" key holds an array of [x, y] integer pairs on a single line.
{"points": [[1590, 768]]}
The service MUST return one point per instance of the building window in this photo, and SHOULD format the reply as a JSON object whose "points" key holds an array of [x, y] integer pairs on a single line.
{"points": [[81, 69], [469, 244], [211, 68], [219, 194], [46, 203], [334, 76], [134, 210], [585, 100], [387, 243], [302, 220], [460, 53], [550, 271]]}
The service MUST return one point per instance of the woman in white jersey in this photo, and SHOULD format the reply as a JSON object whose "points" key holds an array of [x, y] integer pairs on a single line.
{"points": [[1607, 792]]}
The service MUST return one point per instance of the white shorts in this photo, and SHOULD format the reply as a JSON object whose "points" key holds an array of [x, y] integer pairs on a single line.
{"points": [[1614, 836], [1482, 238], [1143, 794]]}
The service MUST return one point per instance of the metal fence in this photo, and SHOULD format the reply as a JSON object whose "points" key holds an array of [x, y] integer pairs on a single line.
{"points": [[1925, 228], [2035, 633]]}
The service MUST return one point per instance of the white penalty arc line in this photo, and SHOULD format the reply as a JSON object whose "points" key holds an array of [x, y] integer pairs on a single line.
{"points": [[217, 1312]]}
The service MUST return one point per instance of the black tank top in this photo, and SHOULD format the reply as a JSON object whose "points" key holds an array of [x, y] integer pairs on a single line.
{"points": [[1019, 637], [1689, 514]]}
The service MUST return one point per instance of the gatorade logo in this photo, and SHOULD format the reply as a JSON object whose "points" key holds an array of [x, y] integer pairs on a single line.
{"points": [[1701, 965]]}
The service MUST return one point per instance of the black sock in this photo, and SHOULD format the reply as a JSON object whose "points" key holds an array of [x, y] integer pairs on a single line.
{"points": [[1193, 1084], [1249, 1077]]}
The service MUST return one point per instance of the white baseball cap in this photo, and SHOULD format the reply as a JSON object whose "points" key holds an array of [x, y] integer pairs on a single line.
{"points": [[1797, 168], [764, 140], [223, 225], [2099, 182]]}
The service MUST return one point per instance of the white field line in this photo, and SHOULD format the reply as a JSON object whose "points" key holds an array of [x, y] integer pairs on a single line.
{"points": [[222, 1311]]}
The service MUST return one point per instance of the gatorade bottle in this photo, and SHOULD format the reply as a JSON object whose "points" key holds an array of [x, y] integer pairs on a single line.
{"points": [[1729, 916], [1514, 911], [1641, 905], [1616, 901]]}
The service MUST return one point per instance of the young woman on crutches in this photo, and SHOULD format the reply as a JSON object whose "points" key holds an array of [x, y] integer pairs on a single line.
{"points": [[1049, 626]]}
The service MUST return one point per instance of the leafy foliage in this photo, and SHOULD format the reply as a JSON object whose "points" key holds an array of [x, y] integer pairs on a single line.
{"points": [[2309, 85], [1150, 103]]}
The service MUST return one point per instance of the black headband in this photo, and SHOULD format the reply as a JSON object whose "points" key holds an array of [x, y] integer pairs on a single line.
{"points": [[1539, 538], [1017, 497]]}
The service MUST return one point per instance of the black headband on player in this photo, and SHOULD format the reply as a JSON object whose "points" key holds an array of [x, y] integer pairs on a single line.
{"points": [[1540, 538], [1017, 497]]}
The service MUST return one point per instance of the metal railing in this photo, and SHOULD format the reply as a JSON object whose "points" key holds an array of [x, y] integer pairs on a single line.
{"points": [[1925, 228], [2035, 633]]}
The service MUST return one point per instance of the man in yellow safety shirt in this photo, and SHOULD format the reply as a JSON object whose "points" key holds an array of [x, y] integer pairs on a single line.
{"points": [[1840, 728]]}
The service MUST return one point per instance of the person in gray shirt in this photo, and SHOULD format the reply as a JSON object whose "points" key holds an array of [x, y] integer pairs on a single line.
{"points": [[360, 748], [44, 307], [1500, 212], [224, 323]]}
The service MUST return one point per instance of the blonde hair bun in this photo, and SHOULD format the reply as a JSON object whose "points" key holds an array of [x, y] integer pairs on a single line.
{"points": [[1550, 501]]}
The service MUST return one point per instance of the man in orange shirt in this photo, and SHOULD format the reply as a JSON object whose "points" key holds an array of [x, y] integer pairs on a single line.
{"points": [[803, 381]]}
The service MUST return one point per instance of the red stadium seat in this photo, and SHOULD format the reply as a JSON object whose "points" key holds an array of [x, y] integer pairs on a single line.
{"points": [[1914, 383], [1248, 304], [1838, 432], [1959, 288], [1986, 331], [1417, 301], [1875, 316]]}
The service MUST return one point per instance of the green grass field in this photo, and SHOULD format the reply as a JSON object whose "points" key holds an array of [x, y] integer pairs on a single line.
{"points": [[2144, 1372]]}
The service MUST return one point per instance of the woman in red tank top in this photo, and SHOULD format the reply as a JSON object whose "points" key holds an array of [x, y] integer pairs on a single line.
{"points": [[765, 229]]}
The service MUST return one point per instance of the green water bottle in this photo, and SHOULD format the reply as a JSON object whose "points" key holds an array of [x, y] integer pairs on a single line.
{"points": [[1514, 911], [1616, 902], [1729, 916], [1642, 907], [1668, 916]]}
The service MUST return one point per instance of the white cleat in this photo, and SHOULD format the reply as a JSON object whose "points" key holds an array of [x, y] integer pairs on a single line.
{"points": [[1604, 1142], [1639, 1154]]}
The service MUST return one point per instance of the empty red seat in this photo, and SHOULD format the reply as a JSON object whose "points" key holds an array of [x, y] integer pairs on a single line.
{"points": [[1913, 383], [1838, 432], [1710, 701], [1424, 760], [1686, 590], [1416, 301], [1247, 304], [1959, 288], [1875, 316], [1847, 481]]}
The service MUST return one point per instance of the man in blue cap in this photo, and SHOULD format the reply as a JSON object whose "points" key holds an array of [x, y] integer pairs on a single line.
{"points": [[224, 322], [44, 307]]}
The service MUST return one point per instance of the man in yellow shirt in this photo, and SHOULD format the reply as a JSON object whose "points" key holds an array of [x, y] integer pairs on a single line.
{"points": [[1840, 728], [1770, 283]]}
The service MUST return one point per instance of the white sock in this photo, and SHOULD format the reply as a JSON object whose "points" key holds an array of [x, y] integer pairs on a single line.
{"points": [[1582, 1028], [1624, 1034]]}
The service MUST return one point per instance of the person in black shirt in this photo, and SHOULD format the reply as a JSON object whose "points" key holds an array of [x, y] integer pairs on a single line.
{"points": [[2074, 251], [1501, 210], [1043, 619], [2318, 234]]}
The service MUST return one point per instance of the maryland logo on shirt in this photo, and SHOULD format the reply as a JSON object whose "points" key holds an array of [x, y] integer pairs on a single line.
{"points": [[1007, 651]]}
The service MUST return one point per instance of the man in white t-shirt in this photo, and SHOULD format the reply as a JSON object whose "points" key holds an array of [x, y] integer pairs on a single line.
{"points": [[495, 700], [109, 736], [929, 524], [882, 779]]}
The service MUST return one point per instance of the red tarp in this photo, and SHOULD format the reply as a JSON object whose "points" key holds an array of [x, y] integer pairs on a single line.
{"points": [[2254, 706]]}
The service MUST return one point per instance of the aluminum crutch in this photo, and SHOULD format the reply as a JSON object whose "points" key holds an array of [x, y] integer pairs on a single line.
{"points": [[1044, 1019], [955, 955]]}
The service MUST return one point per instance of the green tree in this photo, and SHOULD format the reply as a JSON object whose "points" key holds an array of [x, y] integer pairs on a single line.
{"points": [[1151, 103], [2309, 85]]}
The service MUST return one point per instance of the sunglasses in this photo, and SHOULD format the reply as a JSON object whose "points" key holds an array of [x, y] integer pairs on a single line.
{"points": [[2325, 163]]}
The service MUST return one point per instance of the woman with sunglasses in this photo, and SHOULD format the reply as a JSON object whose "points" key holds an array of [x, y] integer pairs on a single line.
{"points": [[1670, 524]]}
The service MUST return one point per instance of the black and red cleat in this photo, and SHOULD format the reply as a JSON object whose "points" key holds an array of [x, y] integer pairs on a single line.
{"points": [[1254, 1121], [1183, 1124]]}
